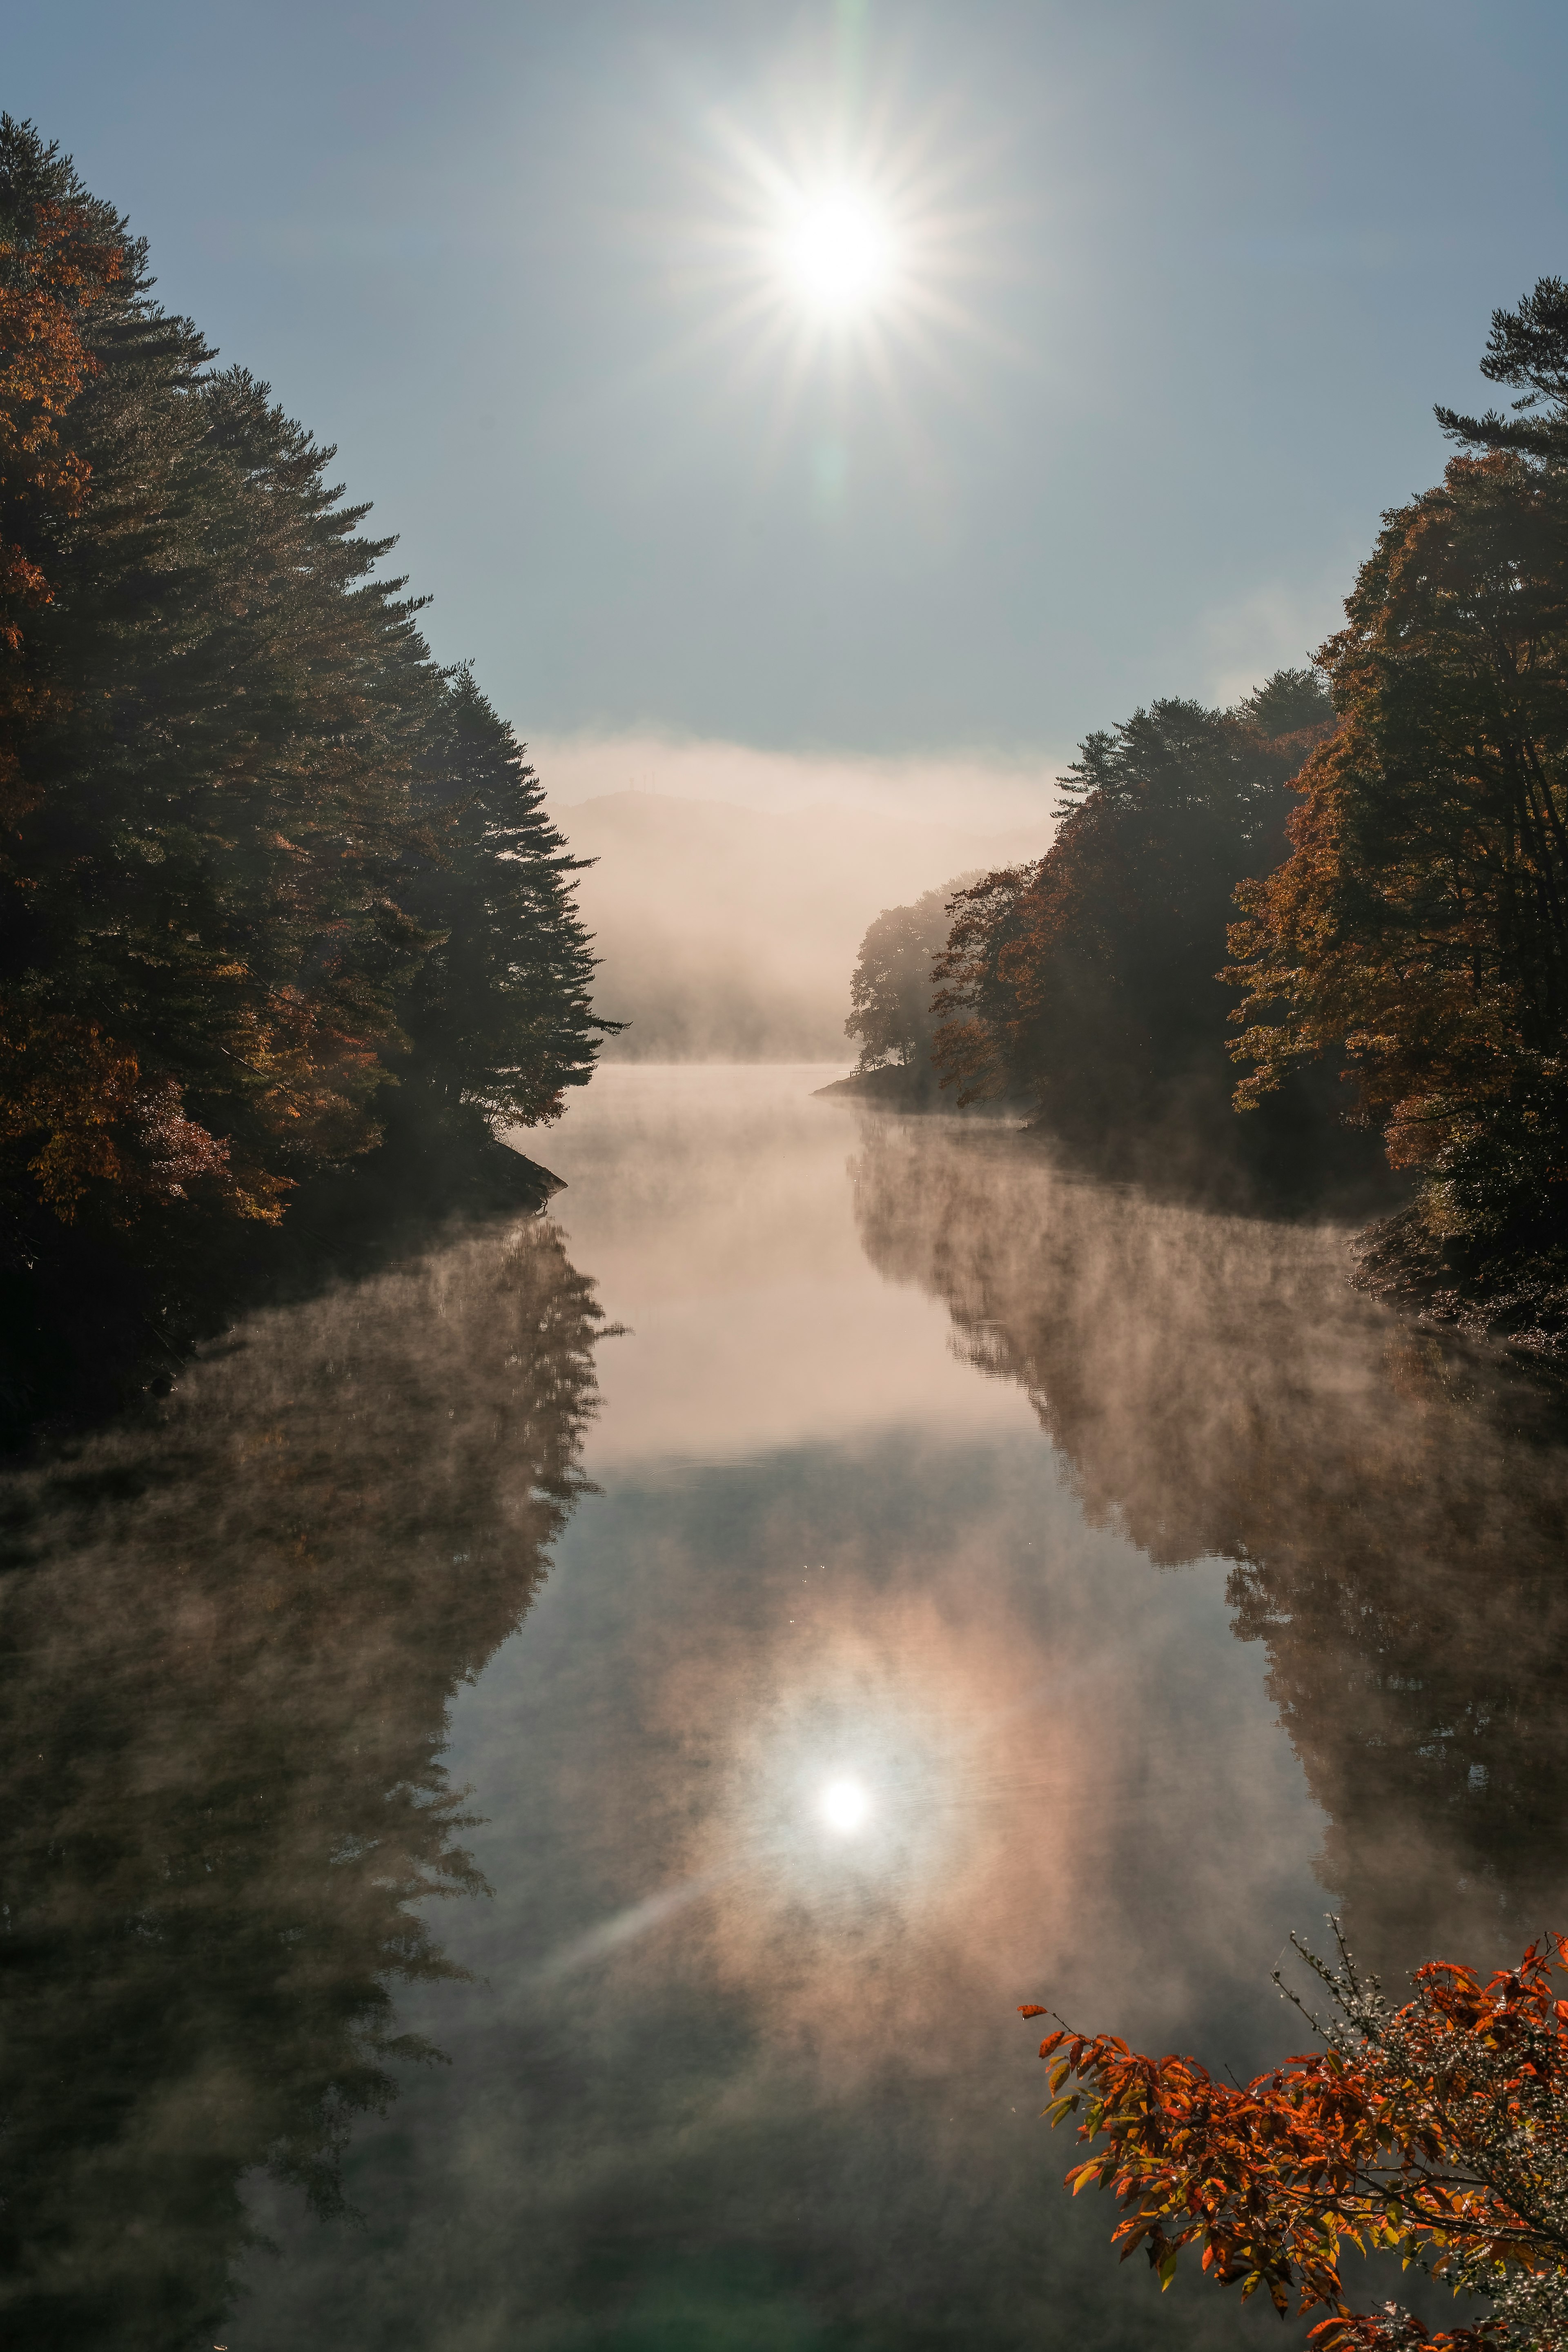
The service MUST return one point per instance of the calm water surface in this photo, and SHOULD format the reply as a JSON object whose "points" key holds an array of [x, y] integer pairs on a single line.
{"points": [[497, 1862]]}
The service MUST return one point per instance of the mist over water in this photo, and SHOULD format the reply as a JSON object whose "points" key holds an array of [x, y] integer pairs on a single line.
{"points": [[228, 1637], [1394, 1509], [728, 933], [887, 1674]]}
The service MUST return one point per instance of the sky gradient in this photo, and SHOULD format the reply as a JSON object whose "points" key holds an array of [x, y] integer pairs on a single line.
{"points": [[1203, 268]]}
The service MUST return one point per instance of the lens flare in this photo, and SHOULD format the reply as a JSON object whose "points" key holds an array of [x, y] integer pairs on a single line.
{"points": [[844, 1806]]}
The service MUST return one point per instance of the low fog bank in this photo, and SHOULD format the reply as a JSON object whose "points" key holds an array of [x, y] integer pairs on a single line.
{"points": [[994, 791], [730, 933]]}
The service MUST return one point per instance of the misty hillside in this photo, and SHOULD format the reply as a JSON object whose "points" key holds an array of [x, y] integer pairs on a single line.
{"points": [[730, 934]]}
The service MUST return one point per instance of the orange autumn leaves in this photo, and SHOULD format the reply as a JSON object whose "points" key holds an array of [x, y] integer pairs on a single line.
{"points": [[85, 1095], [264, 859], [1436, 2131], [1422, 920], [49, 277], [71, 1092]]}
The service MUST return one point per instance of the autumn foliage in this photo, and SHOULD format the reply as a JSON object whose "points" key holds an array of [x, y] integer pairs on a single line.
{"points": [[54, 265], [1404, 929], [1084, 986], [1419, 929], [265, 868], [1437, 2132]]}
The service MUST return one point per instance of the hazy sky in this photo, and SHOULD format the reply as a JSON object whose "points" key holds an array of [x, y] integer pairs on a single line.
{"points": [[1180, 281]]}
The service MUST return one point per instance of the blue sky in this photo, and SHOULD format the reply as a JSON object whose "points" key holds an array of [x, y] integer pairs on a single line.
{"points": [[1203, 270]]}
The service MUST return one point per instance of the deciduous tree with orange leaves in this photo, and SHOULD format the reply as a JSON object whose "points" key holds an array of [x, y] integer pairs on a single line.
{"points": [[1437, 2131], [54, 264], [1421, 920]]}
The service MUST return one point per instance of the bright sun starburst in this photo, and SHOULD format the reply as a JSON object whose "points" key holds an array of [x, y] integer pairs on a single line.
{"points": [[828, 271], [840, 251]]}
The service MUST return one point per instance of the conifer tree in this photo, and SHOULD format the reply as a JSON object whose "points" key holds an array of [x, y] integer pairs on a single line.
{"points": [[242, 805], [220, 714], [1085, 983], [1422, 917], [262, 862], [498, 1012]]}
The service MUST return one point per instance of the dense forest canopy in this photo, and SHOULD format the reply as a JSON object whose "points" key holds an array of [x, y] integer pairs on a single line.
{"points": [[261, 850], [1393, 826], [269, 872], [1083, 987], [1085, 983], [1422, 916]]}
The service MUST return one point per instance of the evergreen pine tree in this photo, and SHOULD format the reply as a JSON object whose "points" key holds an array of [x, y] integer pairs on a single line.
{"points": [[261, 861], [221, 711], [1421, 919], [498, 1013]]}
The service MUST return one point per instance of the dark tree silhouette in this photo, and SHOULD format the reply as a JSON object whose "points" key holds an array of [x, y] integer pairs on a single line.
{"points": [[261, 861], [1422, 916], [1085, 985]]}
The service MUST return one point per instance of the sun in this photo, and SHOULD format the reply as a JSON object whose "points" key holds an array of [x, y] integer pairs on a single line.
{"points": [[840, 251], [831, 252]]}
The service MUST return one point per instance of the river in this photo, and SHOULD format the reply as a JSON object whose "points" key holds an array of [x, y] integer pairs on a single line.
{"points": [[537, 1783]]}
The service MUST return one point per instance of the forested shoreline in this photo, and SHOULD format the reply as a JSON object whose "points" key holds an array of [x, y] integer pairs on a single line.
{"points": [[1372, 855], [288, 936], [291, 937]]}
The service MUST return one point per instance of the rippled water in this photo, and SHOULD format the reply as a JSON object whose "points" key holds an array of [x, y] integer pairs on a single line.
{"points": [[487, 1868]]}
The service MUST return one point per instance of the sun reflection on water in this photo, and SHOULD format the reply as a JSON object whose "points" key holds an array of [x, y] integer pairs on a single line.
{"points": [[845, 1804]]}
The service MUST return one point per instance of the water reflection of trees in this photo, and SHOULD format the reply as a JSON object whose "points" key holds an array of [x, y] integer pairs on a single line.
{"points": [[1396, 1519], [231, 1638]]}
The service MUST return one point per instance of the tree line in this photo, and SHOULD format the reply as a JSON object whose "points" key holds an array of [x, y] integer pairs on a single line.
{"points": [[1395, 1539], [1082, 986], [275, 882], [1413, 931], [1379, 844]]}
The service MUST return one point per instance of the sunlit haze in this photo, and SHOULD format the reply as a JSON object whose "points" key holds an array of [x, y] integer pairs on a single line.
{"points": [[844, 1806], [674, 666], [1108, 335]]}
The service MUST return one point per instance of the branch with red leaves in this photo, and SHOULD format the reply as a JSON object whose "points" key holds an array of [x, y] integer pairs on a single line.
{"points": [[1438, 2131]]}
